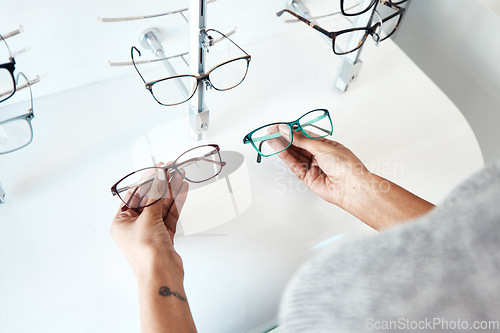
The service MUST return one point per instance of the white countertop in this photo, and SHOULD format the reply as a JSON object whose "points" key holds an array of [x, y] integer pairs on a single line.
{"points": [[61, 271]]}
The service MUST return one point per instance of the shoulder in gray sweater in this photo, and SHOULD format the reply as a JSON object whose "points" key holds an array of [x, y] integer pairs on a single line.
{"points": [[439, 272]]}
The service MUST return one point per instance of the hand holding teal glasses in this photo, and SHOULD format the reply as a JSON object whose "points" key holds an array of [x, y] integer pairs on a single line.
{"points": [[268, 140]]}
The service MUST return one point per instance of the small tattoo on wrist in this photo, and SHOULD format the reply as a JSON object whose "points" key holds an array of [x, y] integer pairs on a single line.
{"points": [[165, 291]]}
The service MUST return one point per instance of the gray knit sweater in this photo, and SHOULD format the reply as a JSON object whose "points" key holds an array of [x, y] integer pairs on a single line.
{"points": [[438, 273]]}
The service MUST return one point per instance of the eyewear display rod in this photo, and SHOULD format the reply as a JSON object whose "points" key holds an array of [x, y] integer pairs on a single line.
{"points": [[198, 112], [2, 195]]}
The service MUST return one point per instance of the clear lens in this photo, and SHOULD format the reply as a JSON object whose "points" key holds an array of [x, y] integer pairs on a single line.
{"points": [[229, 75], [15, 134], [199, 164], [316, 124], [389, 25], [167, 92], [143, 187], [349, 41], [269, 141], [6, 84], [355, 7]]}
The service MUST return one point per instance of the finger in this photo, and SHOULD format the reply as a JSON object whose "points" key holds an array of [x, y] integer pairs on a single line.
{"points": [[278, 143], [124, 215], [313, 146], [172, 188], [153, 212], [173, 213], [302, 155], [297, 163]]}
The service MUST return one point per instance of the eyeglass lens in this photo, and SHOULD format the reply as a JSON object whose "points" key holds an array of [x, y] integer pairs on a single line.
{"points": [[167, 91], [199, 164], [6, 84], [269, 141], [389, 25], [349, 41], [15, 134], [316, 124], [229, 74], [15, 127], [142, 187]]}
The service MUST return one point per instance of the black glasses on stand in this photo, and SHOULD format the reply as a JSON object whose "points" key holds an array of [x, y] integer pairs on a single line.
{"points": [[358, 7], [7, 80], [343, 41], [17, 132], [146, 186], [224, 76]]}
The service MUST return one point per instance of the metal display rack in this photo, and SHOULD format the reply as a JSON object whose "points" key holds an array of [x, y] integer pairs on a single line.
{"points": [[350, 64], [151, 39]]}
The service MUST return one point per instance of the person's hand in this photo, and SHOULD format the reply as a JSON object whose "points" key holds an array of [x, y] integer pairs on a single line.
{"points": [[146, 237], [326, 167]]}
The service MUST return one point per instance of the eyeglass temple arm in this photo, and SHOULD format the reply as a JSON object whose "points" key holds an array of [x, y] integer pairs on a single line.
{"points": [[23, 86], [227, 37], [133, 61], [147, 61], [180, 55], [306, 21], [201, 158]]}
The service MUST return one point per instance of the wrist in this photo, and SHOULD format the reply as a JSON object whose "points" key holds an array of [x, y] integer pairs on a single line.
{"points": [[358, 187], [160, 264]]}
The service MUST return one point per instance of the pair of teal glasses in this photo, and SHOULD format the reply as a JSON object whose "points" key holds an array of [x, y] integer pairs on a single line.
{"points": [[268, 140]]}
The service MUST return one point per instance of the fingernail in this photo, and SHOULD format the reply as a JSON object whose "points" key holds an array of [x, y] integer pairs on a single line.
{"points": [[284, 130]]}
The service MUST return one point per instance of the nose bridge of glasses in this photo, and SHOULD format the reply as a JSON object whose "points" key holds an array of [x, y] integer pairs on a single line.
{"points": [[204, 77]]}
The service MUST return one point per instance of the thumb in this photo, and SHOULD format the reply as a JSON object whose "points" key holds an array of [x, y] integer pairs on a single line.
{"points": [[313, 146], [154, 211]]}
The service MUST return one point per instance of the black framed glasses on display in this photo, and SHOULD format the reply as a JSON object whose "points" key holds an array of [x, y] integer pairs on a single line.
{"points": [[224, 76], [7, 80], [17, 132], [343, 41], [358, 7], [146, 186], [269, 140]]}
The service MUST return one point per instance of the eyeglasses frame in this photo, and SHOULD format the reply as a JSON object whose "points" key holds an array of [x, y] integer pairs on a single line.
{"points": [[199, 78], [334, 34], [296, 123], [171, 166], [28, 116], [342, 7]]}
